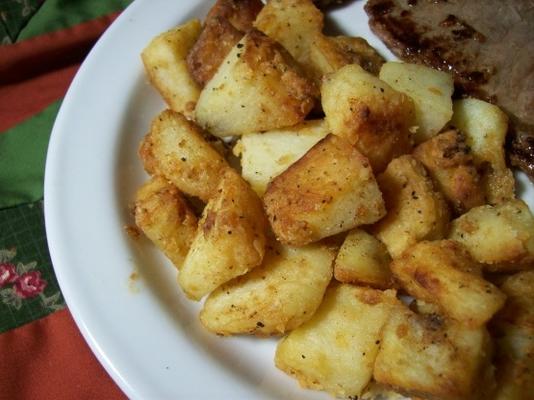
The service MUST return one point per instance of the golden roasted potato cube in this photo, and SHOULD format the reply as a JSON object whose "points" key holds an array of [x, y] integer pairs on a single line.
{"points": [[520, 291], [428, 357], [501, 236], [225, 24], [273, 298], [265, 155], [513, 329], [166, 67], [363, 259], [415, 210], [450, 163], [176, 149], [258, 87], [230, 239], [442, 272], [335, 350], [165, 218], [293, 24], [431, 91], [331, 189], [240, 13], [330, 53], [485, 127], [368, 113]]}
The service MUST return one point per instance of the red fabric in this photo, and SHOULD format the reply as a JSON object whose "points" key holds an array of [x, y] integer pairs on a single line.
{"points": [[26, 98], [36, 72], [49, 359]]}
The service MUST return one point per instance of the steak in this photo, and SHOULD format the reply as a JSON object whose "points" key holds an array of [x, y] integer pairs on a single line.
{"points": [[487, 45]]}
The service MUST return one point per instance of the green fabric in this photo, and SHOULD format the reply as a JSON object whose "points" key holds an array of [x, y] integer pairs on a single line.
{"points": [[23, 247], [14, 14], [22, 158], [4, 35], [60, 14]]}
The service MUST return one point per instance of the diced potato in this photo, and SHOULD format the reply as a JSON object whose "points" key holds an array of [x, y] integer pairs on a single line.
{"points": [[165, 218], [328, 54], [513, 329], [415, 210], [273, 298], [265, 155], [431, 91], [485, 127], [520, 291], [363, 259], [258, 87], [368, 113], [443, 273], [331, 189], [166, 67], [240, 13], [375, 391], [501, 236], [225, 24], [428, 357], [230, 239], [450, 163], [335, 351], [176, 149], [425, 308], [293, 24]]}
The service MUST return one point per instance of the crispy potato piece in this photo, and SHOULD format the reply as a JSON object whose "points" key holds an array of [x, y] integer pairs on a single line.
{"points": [[166, 67], [442, 272], [376, 391], [225, 25], [258, 87], [429, 357], [230, 239], [165, 218], [485, 127], [336, 349], [240, 13], [520, 304], [330, 190], [176, 149], [430, 90], [368, 113], [265, 155], [328, 54], [364, 260], [217, 39], [294, 24], [513, 329], [273, 298], [501, 236], [416, 211], [450, 163]]}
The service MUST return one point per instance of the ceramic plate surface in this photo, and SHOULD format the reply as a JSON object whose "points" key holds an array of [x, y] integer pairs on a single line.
{"points": [[122, 292]]}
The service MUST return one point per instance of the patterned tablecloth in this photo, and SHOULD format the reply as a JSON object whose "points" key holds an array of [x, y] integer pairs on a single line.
{"points": [[42, 46]]}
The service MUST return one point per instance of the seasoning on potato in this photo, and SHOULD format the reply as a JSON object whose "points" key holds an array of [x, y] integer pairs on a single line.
{"points": [[331, 189]]}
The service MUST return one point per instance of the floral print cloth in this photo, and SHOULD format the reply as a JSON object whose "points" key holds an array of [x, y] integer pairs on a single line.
{"points": [[28, 287]]}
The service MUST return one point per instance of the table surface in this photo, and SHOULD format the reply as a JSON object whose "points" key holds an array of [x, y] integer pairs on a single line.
{"points": [[42, 46]]}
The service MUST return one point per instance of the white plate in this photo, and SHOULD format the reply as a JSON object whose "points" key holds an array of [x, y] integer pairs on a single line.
{"points": [[144, 332]]}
